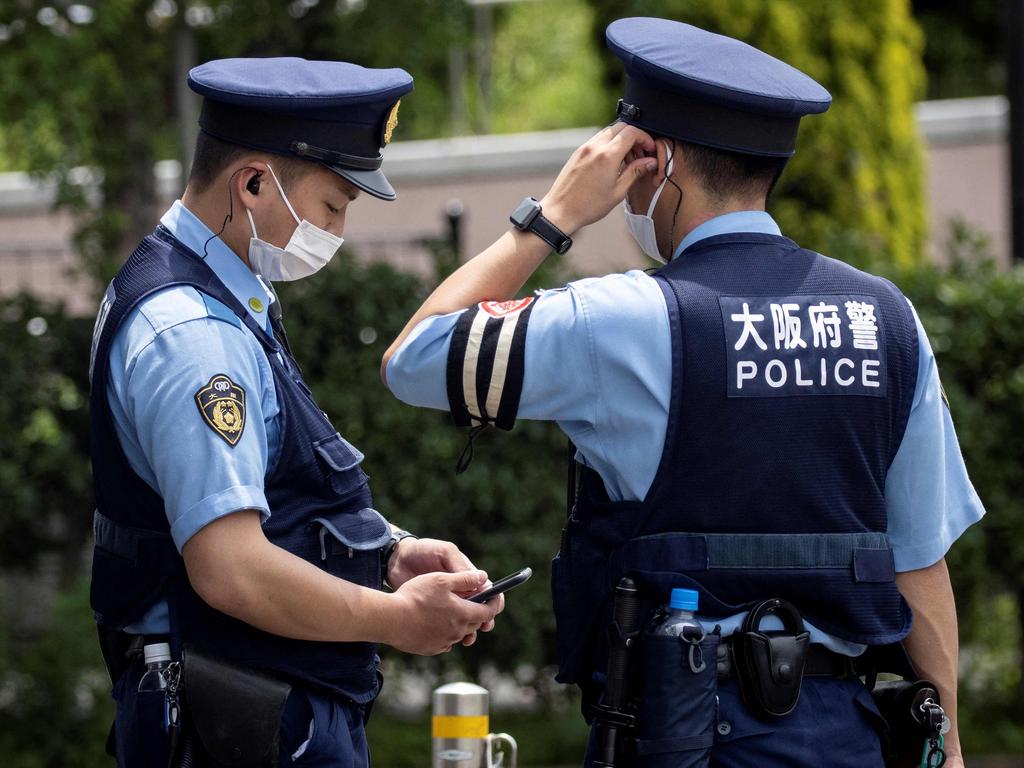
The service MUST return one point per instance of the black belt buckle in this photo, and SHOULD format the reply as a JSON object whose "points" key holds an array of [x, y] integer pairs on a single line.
{"points": [[770, 665]]}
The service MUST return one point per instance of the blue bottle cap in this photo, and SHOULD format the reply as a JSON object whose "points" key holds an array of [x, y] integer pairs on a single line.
{"points": [[684, 599]]}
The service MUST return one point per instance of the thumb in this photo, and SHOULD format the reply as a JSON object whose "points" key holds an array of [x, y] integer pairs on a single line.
{"points": [[633, 172], [465, 581]]}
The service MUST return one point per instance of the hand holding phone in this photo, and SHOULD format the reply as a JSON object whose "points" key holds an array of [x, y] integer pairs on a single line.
{"points": [[501, 586]]}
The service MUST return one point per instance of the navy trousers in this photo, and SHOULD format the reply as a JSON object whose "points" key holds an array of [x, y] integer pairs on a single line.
{"points": [[835, 724], [316, 731]]}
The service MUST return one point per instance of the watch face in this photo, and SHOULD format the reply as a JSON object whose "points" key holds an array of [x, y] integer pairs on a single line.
{"points": [[525, 213]]}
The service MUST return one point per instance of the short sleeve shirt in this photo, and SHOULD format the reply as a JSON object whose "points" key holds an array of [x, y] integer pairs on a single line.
{"points": [[597, 357]]}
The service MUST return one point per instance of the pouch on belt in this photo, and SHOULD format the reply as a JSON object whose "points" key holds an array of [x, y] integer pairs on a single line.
{"points": [[678, 708], [236, 712], [770, 665]]}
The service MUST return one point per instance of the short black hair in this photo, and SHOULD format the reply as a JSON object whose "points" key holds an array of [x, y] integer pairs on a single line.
{"points": [[213, 156], [725, 175]]}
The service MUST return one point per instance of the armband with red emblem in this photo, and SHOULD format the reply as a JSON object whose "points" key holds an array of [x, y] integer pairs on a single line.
{"points": [[486, 363]]}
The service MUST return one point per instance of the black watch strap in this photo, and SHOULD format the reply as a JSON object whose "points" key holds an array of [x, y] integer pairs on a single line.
{"points": [[389, 549], [550, 234], [528, 217]]}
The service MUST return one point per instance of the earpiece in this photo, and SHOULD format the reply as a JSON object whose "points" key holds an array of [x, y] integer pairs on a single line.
{"points": [[253, 185]]}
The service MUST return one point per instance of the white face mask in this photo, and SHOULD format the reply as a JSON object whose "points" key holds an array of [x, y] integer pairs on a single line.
{"points": [[641, 226], [308, 249]]}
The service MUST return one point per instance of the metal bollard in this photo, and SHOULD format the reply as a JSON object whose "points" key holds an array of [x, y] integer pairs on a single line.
{"points": [[460, 730]]}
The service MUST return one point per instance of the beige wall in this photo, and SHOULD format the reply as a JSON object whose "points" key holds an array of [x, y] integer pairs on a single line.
{"points": [[967, 179], [970, 183], [599, 249]]}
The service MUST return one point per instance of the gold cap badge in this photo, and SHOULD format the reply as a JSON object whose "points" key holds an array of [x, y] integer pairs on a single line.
{"points": [[391, 123]]}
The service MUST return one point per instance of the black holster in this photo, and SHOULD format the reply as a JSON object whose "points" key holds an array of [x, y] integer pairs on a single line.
{"points": [[235, 712], [900, 704], [770, 665]]}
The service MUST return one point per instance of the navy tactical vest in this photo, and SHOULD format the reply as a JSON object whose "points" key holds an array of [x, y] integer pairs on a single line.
{"points": [[319, 498], [792, 380]]}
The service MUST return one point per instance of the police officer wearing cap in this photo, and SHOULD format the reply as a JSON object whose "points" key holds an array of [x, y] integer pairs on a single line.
{"points": [[753, 421], [234, 521]]}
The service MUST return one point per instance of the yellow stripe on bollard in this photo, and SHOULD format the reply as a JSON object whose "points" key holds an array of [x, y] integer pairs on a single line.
{"points": [[460, 726]]}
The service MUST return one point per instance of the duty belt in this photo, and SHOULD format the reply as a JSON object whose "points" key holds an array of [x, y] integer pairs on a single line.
{"points": [[821, 662]]}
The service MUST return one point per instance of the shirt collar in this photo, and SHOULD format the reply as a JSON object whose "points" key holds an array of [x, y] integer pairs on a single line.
{"points": [[243, 283], [728, 223]]}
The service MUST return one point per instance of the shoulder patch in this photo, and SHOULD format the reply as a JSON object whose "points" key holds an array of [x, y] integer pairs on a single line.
{"points": [[222, 404]]}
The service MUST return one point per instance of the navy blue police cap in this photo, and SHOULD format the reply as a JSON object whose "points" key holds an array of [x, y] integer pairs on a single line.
{"points": [[337, 114], [708, 89]]}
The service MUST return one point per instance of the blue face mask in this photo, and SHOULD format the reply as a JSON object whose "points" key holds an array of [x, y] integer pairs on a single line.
{"points": [[641, 226]]}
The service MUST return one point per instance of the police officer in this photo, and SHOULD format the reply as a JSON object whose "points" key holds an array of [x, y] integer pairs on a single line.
{"points": [[748, 391], [234, 520]]}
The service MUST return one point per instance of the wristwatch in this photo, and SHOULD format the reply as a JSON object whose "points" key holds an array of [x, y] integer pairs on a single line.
{"points": [[528, 218], [389, 549]]}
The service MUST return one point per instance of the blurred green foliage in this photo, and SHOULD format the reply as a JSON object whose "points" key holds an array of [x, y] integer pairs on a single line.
{"points": [[44, 437], [867, 141], [547, 72], [965, 46], [55, 706]]}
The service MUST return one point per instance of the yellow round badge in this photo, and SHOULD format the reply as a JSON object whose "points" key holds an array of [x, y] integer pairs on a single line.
{"points": [[256, 304]]}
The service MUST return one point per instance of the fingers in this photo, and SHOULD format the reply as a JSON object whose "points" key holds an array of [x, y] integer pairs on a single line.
{"points": [[634, 171], [615, 128], [628, 138], [464, 581], [453, 560]]}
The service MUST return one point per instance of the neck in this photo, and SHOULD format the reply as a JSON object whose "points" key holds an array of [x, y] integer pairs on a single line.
{"points": [[211, 208], [694, 213]]}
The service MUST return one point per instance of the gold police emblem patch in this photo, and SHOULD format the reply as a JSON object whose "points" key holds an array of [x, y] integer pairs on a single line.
{"points": [[222, 403], [391, 123]]}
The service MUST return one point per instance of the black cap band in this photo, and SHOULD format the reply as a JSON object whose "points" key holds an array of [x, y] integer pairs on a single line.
{"points": [[349, 145], [670, 113]]}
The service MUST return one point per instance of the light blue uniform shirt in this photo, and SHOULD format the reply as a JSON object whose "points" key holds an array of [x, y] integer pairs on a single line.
{"points": [[598, 362], [167, 349]]}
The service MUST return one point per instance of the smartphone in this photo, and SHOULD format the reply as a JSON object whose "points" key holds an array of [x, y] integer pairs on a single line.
{"points": [[504, 585]]}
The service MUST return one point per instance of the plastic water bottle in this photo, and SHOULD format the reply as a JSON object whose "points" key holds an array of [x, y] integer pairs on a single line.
{"points": [[157, 657], [678, 620]]}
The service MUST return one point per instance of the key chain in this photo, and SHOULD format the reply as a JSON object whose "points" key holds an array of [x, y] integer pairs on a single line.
{"points": [[933, 755]]}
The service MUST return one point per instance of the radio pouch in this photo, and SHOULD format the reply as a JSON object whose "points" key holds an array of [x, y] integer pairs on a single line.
{"points": [[236, 712], [770, 665]]}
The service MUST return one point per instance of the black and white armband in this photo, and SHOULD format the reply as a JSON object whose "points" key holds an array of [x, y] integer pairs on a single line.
{"points": [[486, 363]]}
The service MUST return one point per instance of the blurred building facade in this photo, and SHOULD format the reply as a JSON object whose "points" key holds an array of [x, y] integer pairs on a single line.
{"points": [[484, 177]]}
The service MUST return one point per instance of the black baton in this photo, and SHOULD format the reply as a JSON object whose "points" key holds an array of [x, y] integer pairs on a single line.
{"points": [[613, 719]]}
